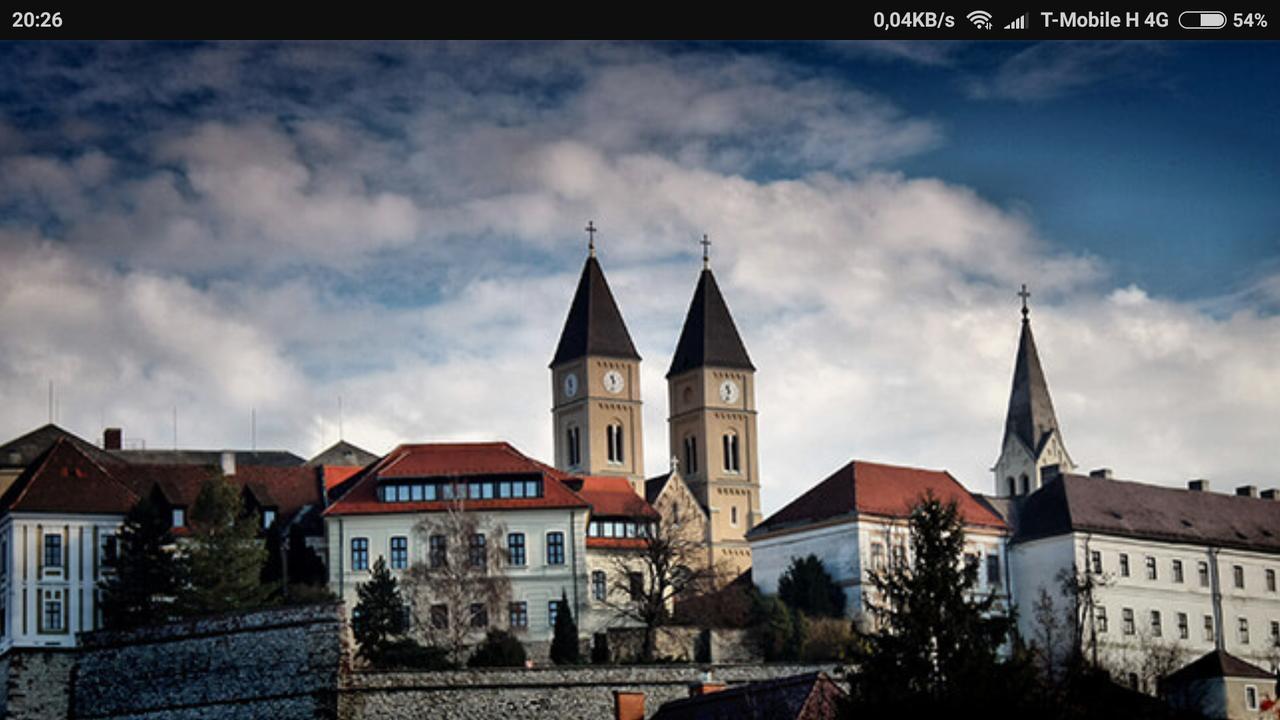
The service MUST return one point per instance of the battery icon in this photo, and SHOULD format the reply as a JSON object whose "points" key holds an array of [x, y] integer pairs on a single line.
{"points": [[1202, 20]]}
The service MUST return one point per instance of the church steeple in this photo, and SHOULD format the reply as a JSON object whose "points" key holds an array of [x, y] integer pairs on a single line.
{"points": [[1032, 437], [709, 336], [595, 384]]}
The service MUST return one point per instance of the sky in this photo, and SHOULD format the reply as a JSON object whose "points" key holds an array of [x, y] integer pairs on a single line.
{"points": [[249, 229]]}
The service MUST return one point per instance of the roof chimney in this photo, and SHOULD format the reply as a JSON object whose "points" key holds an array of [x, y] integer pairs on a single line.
{"points": [[1247, 491], [112, 439], [1271, 494], [228, 462], [1198, 485], [1104, 473], [628, 705]]}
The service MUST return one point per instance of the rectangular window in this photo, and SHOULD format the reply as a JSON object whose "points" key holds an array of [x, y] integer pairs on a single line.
{"points": [[553, 609], [399, 553], [1208, 628], [731, 463], [479, 615], [574, 449], [517, 489], [108, 550], [635, 584], [178, 517], [1251, 697], [1271, 580], [1124, 565], [359, 553], [555, 548], [430, 492], [402, 493], [53, 611], [519, 614], [993, 569], [613, 436], [515, 549], [439, 616], [598, 586], [1243, 630], [476, 551], [1151, 568], [504, 489], [877, 556], [1237, 571], [418, 491], [1177, 571], [1127, 615], [1275, 632], [899, 555], [733, 515], [52, 550], [437, 551], [1157, 628], [1202, 569], [1095, 560], [1100, 618], [533, 488], [268, 518], [1184, 626], [691, 454]]}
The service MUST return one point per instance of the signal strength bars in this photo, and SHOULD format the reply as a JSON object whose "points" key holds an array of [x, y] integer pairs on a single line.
{"points": [[1019, 24]]}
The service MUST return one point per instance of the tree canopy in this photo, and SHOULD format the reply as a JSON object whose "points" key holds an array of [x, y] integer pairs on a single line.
{"points": [[224, 556], [379, 615], [143, 570], [806, 586]]}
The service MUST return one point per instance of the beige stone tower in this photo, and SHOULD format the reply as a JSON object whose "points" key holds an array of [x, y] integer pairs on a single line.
{"points": [[1032, 437], [595, 383], [712, 401]]}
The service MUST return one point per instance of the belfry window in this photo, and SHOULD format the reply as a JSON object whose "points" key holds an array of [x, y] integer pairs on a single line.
{"points": [[573, 448], [691, 454], [731, 463], [613, 436]]}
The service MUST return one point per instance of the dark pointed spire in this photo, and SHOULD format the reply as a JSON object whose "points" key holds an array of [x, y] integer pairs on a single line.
{"points": [[1031, 415], [594, 325], [709, 337]]}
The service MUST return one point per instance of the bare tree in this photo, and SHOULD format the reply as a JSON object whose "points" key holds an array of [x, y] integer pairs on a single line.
{"points": [[646, 581], [1080, 590], [459, 587]]}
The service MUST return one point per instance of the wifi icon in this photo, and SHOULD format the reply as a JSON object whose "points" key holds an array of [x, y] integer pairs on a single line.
{"points": [[981, 19]]}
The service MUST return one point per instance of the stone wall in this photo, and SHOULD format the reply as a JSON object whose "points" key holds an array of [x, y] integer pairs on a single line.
{"points": [[584, 692], [687, 644], [282, 663], [36, 683]]}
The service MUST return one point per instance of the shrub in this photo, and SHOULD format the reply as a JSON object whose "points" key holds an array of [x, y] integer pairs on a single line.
{"points": [[408, 654], [826, 640], [499, 649]]}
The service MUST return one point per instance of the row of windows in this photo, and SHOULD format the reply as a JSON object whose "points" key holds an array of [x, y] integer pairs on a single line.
{"points": [[619, 529], [448, 490], [600, 585], [478, 615], [438, 551], [900, 556], [1155, 624], [1202, 571]]}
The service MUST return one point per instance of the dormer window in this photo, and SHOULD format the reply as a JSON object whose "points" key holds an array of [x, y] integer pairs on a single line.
{"points": [[268, 518], [179, 517]]}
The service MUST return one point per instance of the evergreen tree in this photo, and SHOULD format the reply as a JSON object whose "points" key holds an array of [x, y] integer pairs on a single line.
{"points": [[807, 587], [145, 573], [378, 616], [225, 556], [564, 644]]}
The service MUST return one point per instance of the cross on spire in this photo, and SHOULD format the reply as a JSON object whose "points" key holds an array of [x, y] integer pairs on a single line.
{"points": [[1024, 295], [591, 238], [706, 252]]}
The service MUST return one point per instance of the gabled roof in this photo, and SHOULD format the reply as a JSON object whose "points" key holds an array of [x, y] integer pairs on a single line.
{"points": [[270, 458], [654, 486], [594, 325], [22, 450], [862, 487], [811, 696], [66, 480], [1153, 512], [358, 495], [1217, 664], [709, 337], [1030, 417], [611, 496], [343, 454]]}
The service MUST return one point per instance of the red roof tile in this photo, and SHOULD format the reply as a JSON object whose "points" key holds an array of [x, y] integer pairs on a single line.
{"points": [[611, 496], [66, 480], [334, 475], [453, 460], [877, 489], [616, 543], [288, 489]]}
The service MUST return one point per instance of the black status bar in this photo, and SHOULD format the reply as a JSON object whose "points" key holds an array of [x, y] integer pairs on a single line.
{"points": [[39, 20]]}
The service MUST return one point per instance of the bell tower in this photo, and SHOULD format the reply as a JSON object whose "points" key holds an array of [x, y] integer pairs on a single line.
{"points": [[712, 424], [595, 384]]}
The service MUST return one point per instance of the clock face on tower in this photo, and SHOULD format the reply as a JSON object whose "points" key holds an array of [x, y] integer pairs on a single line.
{"points": [[570, 385], [613, 382], [729, 391]]}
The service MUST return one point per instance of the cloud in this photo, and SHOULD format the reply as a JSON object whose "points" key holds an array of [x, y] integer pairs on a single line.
{"points": [[1050, 70]]}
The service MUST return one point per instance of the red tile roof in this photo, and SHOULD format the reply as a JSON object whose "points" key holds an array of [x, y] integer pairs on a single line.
{"points": [[877, 489], [611, 496], [616, 543], [334, 475], [64, 479], [453, 460]]}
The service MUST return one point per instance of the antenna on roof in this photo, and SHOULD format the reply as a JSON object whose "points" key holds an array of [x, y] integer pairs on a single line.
{"points": [[339, 418], [253, 429], [50, 402], [175, 427]]}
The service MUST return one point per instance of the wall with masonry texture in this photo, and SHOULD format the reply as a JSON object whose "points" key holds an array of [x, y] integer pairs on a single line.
{"points": [[34, 683]]}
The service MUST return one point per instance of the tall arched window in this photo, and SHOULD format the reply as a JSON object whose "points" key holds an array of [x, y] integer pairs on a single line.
{"points": [[731, 463], [573, 446], [613, 437], [691, 454]]}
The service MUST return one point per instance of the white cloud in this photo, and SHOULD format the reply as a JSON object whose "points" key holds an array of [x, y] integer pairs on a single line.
{"points": [[1052, 69]]}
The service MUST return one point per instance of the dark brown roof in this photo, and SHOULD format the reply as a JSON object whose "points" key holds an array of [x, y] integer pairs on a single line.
{"points": [[343, 454], [709, 337], [1154, 512], [21, 451], [876, 489], [1031, 415], [594, 325], [812, 696], [270, 458], [1217, 664], [654, 486], [66, 480]]}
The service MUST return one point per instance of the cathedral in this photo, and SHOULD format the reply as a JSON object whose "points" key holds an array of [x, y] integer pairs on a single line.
{"points": [[712, 436]]}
